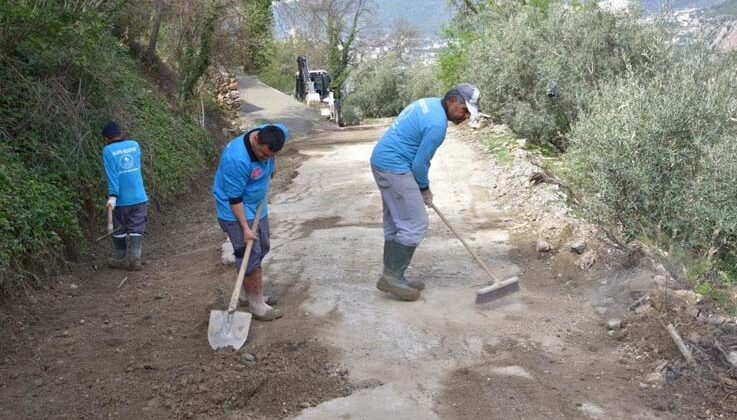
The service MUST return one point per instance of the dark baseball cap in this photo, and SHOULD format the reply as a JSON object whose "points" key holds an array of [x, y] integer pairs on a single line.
{"points": [[111, 130]]}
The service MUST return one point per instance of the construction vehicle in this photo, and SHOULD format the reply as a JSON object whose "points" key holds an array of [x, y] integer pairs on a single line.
{"points": [[313, 88]]}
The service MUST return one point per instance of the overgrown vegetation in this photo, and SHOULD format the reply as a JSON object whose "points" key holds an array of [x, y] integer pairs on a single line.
{"points": [[256, 35], [328, 33], [187, 37], [279, 73], [657, 158], [646, 126], [64, 75], [383, 87], [539, 65]]}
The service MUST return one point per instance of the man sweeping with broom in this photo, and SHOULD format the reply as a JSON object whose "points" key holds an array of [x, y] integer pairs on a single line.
{"points": [[400, 163]]}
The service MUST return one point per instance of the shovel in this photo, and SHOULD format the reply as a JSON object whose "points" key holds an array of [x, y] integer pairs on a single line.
{"points": [[110, 230], [230, 328]]}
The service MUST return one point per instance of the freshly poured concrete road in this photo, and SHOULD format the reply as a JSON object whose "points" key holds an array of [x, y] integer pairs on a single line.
{"points": [[406, 346], [530, 354], [328, 236]]}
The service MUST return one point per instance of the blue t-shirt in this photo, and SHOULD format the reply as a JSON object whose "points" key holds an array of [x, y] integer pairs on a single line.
{"points": [[122, 162], [241, 176], [410, 143]]}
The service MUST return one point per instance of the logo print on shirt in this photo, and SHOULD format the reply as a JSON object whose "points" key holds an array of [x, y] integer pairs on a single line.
{"points": [[256, 173], [404, 114], [126, 162]]}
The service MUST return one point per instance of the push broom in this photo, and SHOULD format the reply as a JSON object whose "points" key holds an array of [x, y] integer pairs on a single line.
{"points": [[487, 293]]}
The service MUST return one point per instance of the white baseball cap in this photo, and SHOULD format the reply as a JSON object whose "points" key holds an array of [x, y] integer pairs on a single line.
{"points": [[471, 95]]}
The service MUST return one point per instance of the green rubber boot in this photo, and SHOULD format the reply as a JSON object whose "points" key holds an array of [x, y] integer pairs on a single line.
{"points": [[119, 259], [396, 261], [136, 244], [415, 284]]}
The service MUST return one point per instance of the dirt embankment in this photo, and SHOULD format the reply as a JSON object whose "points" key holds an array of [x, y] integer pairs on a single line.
{"points": [[622, 284]]}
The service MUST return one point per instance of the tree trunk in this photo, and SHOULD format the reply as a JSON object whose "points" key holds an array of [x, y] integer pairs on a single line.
{"points": [[151, 51]]}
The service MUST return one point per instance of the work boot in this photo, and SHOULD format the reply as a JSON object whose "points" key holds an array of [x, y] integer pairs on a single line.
{"points": [[270, 300], [415, 284], [269, 315], [260, 310], [396, 261], [119, 259], [136, 243]]}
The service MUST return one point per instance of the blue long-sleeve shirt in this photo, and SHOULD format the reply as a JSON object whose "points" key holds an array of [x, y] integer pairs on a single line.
{"points": [[122, 162], [241, 177], [410, 143]]}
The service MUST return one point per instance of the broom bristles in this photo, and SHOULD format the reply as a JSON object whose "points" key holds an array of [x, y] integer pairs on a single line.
{"points": [[497, 290]]}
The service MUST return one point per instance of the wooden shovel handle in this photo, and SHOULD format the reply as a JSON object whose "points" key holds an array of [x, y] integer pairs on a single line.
{"points": [[109, 220], [247, 253]]}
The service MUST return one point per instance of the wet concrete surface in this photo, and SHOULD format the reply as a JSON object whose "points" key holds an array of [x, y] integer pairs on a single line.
{"points": [[328, 240]]}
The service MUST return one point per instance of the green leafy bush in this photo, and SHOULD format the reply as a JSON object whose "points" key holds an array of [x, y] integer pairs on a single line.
{"points": [[420, 81], [452, 59], [279, 73], [522, 52], [383, 87], [376, 86], [63, 77], [657, 158], [36, 217], [351, 113]]}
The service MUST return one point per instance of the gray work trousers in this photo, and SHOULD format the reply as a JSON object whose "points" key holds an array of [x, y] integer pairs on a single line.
{"points": [[405, 216]]}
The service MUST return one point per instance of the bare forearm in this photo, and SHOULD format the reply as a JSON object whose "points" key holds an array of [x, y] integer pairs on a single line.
{"points": [[240, 214]]}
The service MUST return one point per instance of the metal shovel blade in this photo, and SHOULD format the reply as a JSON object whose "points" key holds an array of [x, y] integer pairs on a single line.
{"points": [[228, 329]]}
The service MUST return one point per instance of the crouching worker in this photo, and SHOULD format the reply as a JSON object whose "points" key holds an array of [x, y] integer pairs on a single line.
{"points": [[400, 163], [127, 198], [241, 183]]}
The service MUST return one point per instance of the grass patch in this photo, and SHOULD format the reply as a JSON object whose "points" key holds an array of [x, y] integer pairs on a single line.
{"points": [[502, 146]]}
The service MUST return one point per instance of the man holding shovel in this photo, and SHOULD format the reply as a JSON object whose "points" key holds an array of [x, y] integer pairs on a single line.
{"points": [[400, 163], [241, 183], [126, 196]]}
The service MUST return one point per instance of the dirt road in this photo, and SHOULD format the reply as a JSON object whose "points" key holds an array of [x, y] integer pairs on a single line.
{"points": [[111, 344]]}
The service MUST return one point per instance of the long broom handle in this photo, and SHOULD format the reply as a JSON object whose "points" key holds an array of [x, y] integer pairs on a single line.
{"points": [[470, 251], [246, 254]]}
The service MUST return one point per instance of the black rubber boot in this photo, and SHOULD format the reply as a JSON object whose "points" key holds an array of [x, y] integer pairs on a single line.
{"points": [[119, 259], [415, 284], [136, 244], [396, 261]]}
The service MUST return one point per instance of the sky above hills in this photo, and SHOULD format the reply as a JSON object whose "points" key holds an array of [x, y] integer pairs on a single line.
{"points": [[652, 5], [428, 16], [425, 16]]}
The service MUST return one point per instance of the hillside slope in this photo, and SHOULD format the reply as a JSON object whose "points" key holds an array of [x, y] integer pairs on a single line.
{"points": [[65, 76]]}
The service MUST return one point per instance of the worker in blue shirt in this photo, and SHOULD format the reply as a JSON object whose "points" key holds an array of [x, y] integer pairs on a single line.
{"points": [[126, 196], [400, 163], [241, 183]]}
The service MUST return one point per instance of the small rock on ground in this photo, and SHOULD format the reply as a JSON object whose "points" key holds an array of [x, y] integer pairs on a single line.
{"points": [[543, 246], [614, 324], [579, 247]]}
